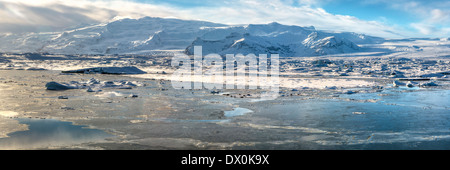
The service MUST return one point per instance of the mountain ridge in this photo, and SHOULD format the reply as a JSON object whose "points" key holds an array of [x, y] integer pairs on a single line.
{"points": [[132, 36]]}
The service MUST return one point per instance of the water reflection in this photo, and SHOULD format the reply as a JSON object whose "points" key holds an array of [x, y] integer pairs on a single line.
{"points": [[47, 133]]}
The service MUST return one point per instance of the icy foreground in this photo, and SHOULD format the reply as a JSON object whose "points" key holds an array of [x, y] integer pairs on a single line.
{"points": [[369, 100]]}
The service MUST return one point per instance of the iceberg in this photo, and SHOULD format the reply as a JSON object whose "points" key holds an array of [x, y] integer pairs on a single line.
{"points": [[108, 70], [59, 86]]}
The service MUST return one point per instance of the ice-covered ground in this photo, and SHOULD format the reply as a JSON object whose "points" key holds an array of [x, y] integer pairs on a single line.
{"points": [[325, 72], [391, 99], [156, 116]]}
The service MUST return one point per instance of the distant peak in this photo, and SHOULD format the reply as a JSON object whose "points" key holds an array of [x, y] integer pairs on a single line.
{"points": [[274, 23], [311, 28]]}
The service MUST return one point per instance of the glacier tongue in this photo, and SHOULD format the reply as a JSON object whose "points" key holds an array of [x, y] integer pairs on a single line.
{"points": [[135, 36]]}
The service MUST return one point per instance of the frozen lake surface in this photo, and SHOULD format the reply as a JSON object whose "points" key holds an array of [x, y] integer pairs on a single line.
{"points": [[47, 133], [318, 108]]}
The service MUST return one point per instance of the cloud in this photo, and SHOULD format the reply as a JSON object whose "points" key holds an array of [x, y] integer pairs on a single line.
{"points": [[265, 11], [54, 15], [439, 16], [434, 23], [433, 17], [424, 28]]}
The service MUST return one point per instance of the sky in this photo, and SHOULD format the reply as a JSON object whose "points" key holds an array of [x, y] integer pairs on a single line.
{"points": [[383, 18]]}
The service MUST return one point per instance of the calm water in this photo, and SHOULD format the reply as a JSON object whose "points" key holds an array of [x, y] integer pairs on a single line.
{"points": [[395, 118], [47, 133], [392, 119]]}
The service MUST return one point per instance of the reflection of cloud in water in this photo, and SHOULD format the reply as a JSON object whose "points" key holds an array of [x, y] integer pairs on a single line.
{"points": [[237, 112], [109, 94], [8, 113], [45, 133], [8, 126]]}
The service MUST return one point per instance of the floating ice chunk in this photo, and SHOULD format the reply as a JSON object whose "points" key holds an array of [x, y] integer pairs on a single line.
{"points": [[108, 70], [433, 75], [359, 113], [129, 83], [93, 84], [398, 83], [90, 90], [398, 76], [349, 92], [93, 81], [429, 84], [409, 84], [58, 86], [63, 97], [109, 84], [35, 69], [321, 62], [331, 88]]}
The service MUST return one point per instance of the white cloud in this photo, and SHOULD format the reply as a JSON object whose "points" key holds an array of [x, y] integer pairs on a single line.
{"points": [[49, 15], [54, 15], [439, 16], [433, 17], [424, 28]]}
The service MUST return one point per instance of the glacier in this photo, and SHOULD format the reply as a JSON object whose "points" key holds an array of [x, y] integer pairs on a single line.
{"points": [[138, 36]]}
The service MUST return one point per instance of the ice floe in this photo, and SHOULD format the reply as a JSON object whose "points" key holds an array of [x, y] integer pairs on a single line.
{"points": [[429, 84], [59, 86], [93, 85], [108, 70]]}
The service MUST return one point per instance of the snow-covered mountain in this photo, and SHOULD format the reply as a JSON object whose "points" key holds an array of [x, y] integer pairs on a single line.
{"points": [[118, 37], [140, 35], [275, 38]]}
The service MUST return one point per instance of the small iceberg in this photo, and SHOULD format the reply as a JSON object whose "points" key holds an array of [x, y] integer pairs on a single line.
{"points": [[63, 97], [437, 75], [93, 84], [349, 92], [429, 84], [410, 85], [59, 86], [35, 69], [331, 88], [108, 70], [90, 90], [398, 83], [343, 74], [359, 113], [237, 112]]}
